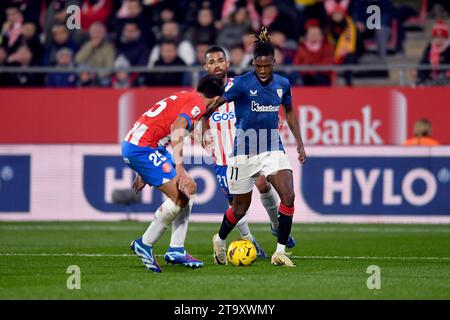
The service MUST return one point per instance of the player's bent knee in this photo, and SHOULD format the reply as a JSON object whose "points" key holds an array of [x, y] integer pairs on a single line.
{"points": [[288, 199], [239, 212], [263, 185]]}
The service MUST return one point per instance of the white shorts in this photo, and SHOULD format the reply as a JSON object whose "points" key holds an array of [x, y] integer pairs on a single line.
{"points": [[243, 170]]}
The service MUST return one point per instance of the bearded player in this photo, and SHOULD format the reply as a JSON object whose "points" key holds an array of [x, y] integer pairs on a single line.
{"points": [[144, 150], [258, 150]]}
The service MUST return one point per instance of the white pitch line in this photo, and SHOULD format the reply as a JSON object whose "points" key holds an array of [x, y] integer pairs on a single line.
{"points": [[197, 228], [64, 255], [370, 258], [203, 255]]}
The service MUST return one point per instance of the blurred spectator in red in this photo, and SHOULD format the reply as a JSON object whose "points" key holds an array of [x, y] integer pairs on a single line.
{"points": [[204, 30], [64, 58], [422, 135], [61, 38], [12, 28], [435, 54], [98, 51], [237, 60], [314, 50], [95, 10], [131, 45], [344, 37], [168, 57], [234, 29], [171, 32], [23, 58]]}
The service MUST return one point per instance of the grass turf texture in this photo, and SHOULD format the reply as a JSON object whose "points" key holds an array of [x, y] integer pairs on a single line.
{"points": [[332, 260]]}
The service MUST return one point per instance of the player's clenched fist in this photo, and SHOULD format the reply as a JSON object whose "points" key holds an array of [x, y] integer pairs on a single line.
{"points": [[301, 153], [184, 182], [138, 184]]}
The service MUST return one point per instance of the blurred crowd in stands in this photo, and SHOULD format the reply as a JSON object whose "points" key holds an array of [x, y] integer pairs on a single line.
{"points": [[148, 33]]}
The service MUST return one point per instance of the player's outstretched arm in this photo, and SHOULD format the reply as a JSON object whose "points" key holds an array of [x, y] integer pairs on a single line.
{"points": [[213, 107], [292, 122]]}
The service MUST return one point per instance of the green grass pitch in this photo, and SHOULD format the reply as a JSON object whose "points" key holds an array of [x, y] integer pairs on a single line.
{"points": [[332, 260]]}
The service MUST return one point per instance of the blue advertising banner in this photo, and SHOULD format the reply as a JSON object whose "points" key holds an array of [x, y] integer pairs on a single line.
{"points": [[377, 185], [103, 174], [14, 183]]}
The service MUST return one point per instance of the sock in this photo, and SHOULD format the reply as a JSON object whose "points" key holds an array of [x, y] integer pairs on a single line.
{"points": [[164, 216], [244, 229], [228, 223], [270, 202], [280, 248], [285, 223], [180, 226]]}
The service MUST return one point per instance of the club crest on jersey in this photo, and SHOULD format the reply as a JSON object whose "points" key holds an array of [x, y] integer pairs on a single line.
{"points": [[253, 93], [195, 111], [280, 92], [166, 167]]}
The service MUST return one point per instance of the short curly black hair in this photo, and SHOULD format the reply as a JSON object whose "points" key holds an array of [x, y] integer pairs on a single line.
{"points": [[263, 46], [210, 86]]}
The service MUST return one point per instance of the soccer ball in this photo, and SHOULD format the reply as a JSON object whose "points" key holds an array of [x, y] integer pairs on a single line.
{"points": [[241, 252]]}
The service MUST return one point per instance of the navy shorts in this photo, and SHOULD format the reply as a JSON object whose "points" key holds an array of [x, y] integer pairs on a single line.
{"points": [[221, 175]]}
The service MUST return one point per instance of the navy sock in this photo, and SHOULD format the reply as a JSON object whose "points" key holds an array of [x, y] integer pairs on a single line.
{"points": [[284, 228], [228, 223]]}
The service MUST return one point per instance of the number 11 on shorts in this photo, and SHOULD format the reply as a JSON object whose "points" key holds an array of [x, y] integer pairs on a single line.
{"points": [[234, 173]]}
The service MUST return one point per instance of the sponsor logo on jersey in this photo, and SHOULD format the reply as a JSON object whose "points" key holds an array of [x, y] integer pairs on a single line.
{"points": [[253, 92], [260, 108], [195, 112], [223, 116]]}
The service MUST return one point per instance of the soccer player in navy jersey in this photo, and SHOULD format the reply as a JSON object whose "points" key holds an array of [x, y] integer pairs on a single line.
{"points": [[258, 150]]}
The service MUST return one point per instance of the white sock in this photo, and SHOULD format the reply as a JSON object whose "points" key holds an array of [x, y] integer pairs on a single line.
{"points": [[244, 229], [280, 248], [270, 202], [219, 240], [164, 216], [180, 226]]}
